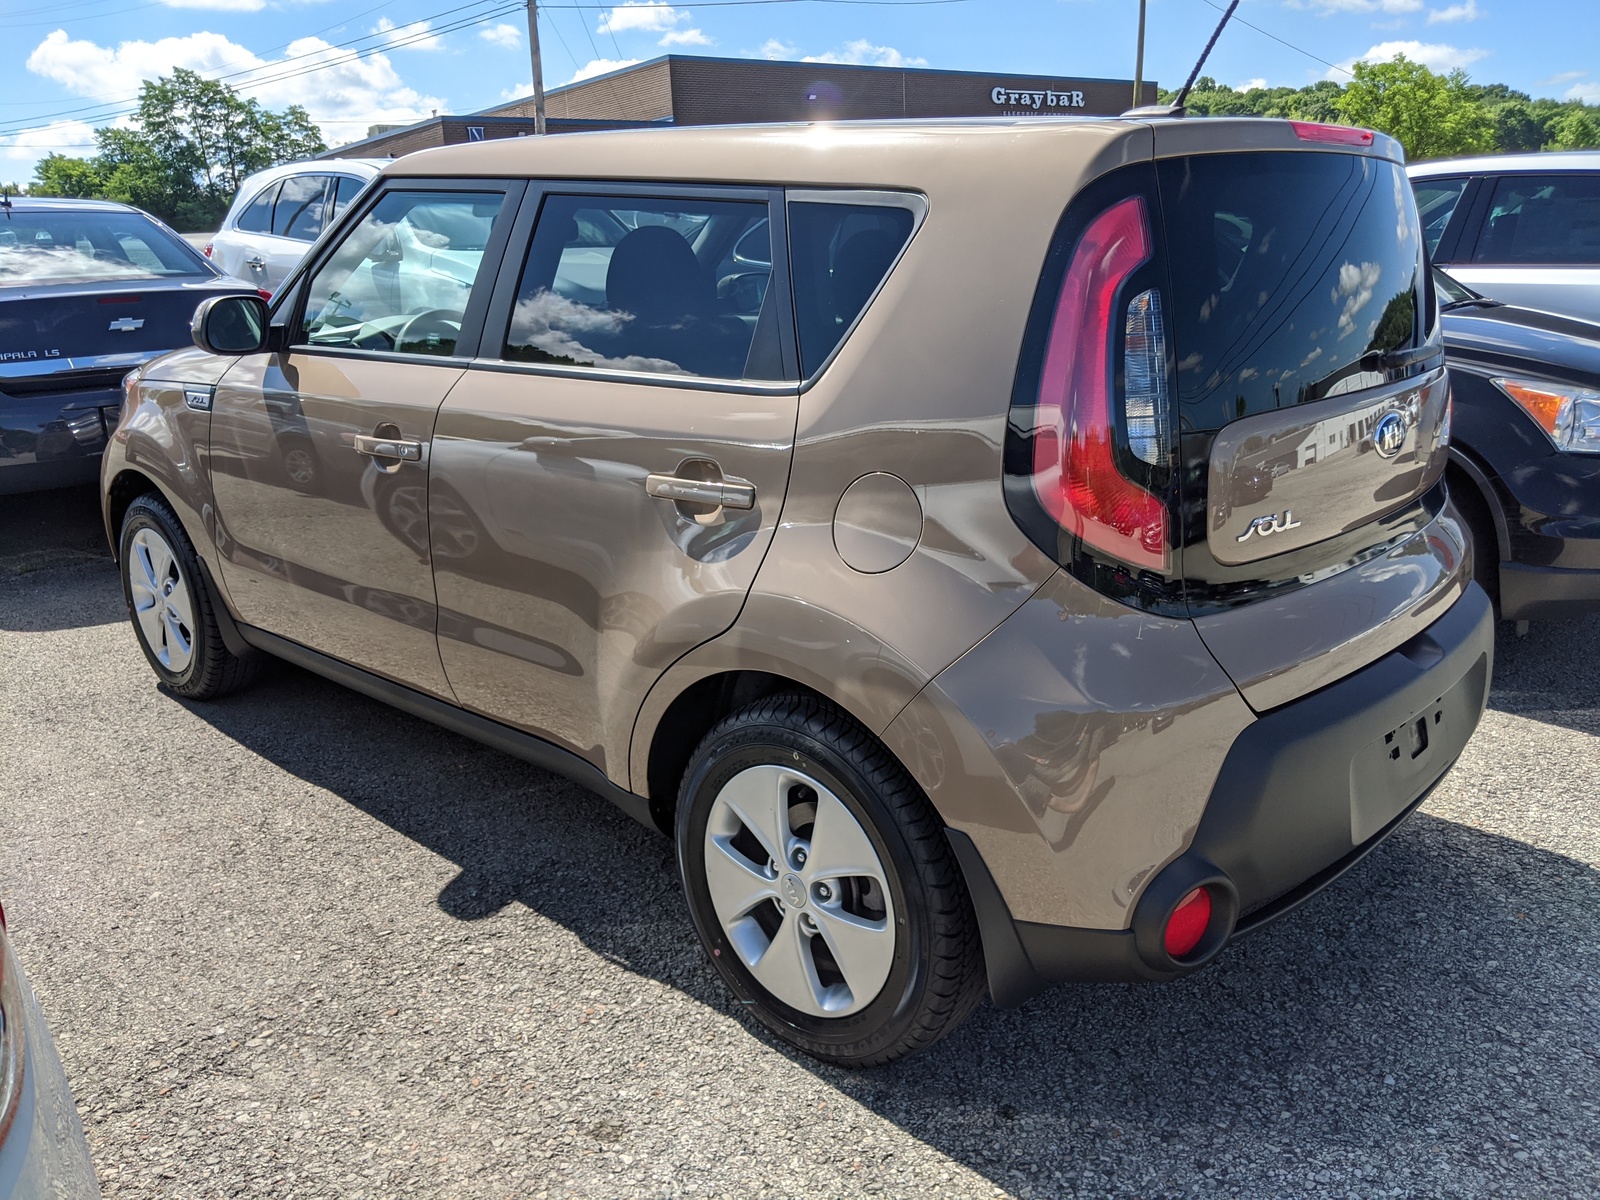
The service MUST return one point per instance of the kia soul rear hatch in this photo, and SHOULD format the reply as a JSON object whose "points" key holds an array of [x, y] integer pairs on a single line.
{"points": [[1232, 389]]}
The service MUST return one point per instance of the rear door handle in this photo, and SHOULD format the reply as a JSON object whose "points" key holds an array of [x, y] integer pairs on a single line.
{"points": [[255, 264], [719, 492], [387, 447]]}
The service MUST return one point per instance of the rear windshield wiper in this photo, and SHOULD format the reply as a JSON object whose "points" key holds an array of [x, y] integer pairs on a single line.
{"points": [[1472, 302]]}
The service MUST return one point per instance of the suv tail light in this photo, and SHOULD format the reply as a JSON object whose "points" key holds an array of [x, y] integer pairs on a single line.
{"points": [[207, 250], [1075, 472]]}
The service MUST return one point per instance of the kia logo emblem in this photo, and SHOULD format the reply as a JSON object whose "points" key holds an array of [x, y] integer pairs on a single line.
{"points": [[1389, 434]]}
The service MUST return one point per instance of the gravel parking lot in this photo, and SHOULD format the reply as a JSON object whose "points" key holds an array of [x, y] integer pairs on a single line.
{"points": [[296, 944]]}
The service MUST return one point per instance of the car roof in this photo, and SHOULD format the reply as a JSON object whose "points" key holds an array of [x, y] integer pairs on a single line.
{"points": [[366, 167], [1499, 164], [68, 204], [900, 153]]}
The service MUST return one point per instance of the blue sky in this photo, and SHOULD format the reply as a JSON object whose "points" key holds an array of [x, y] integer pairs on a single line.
{"points": [[74, 64]]}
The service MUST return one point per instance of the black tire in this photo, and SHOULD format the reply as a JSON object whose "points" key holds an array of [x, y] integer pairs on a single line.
{"points": [[208, 669], [1474, 511], [936, 977]]}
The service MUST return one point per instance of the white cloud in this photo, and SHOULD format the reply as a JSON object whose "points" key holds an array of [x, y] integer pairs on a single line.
{"points": [[773, 48], [863, 53], [653, 16], [502, 35], [1249, 85], [685, 37], [1327, 7], [1562, 77], [1589, 93], [414, 36], [344, 97], [1436, 56], [598, 66], [1456, 12], [19, 152], [1355, 287]]}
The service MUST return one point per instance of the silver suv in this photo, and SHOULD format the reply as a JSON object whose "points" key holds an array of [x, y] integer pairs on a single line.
{"points": [[1523, 229], [997, 552], [279, 212]]}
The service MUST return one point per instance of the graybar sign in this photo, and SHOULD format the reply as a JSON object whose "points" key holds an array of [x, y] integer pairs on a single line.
{"points": [[1011, 98]]}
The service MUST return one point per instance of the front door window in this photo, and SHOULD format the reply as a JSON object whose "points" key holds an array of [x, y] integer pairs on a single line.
{"points": [[401, 278]]}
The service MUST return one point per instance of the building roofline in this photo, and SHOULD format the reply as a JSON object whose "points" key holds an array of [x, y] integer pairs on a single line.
{"points": [[790, 62]]}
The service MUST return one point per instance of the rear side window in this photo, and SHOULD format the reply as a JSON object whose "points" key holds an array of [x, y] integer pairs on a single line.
{"points": [[838, 255], [651, 285], [1287, 269], [257, 217], [1436, 201], [347, 187], [298, 214], [1542, 220]]}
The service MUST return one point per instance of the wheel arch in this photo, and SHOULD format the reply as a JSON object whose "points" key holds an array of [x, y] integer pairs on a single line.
{"points": [[778, 644], [1463, 467], [127, 486]]}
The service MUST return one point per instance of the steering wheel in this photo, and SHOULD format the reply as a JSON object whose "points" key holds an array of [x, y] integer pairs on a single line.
{"points": [[428, 332]]}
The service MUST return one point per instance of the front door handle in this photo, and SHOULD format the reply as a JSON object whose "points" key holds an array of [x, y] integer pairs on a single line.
{"points": [[720, 493], [388, 447], [255, 264]]}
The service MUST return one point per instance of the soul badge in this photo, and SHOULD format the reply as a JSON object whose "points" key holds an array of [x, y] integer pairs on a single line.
{"points": [[1269, 524]]}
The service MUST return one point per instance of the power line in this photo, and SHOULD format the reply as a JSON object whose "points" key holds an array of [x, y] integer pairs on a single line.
{"points": [[111, 109], [1282, 42], [270, 72]]}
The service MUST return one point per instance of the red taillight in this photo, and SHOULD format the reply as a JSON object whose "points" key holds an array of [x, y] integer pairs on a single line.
{"points": [[1075, 472], [264, 294], [207, 251], [1188, 922], [1341, 135]]}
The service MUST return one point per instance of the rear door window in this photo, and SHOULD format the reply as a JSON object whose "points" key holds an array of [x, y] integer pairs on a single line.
{"points": [[1287, 269], [298, 214], [257, 216], [346, 188], [654, 285], [838, 256], [1542, 220], [1436, 202]]}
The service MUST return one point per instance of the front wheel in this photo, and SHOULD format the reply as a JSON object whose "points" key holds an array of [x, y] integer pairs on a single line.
{"points": [[821, 883], [173, 611]]}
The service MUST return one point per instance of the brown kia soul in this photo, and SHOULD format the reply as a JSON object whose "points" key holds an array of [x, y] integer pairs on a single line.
{"points": [[999, 552]]}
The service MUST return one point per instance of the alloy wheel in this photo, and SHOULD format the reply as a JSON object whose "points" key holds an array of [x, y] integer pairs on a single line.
{"points": [[162, 602]]}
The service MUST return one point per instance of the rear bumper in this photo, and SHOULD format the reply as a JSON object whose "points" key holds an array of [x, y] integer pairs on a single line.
{"points": [[54, 440], [1304, 793]]}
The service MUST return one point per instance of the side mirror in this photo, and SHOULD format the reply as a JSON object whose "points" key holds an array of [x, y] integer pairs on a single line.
{"points": [[230, 325]]}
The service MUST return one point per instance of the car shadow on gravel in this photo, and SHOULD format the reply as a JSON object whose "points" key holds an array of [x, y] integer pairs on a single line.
{"points": [[1551, 673], [1441, 999], [42, 535]]}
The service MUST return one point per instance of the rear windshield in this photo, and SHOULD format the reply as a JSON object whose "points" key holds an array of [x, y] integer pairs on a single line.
{"points": [[87, 247], [1287, 269]]}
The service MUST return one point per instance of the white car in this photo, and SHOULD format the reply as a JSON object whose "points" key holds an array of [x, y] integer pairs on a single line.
{"points": [[279, 212], [1523, 229]]}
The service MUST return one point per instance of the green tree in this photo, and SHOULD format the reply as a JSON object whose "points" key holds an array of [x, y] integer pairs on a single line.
{"points": [[1577, 128], [1431, 115], [192, 143]]}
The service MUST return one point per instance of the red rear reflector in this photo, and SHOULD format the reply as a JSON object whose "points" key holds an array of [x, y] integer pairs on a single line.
{"points": [[1343, 135], [1075, 473], [1188, 922]]}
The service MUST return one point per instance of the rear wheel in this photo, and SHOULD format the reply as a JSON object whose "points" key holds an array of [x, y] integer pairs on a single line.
{"points": [[173, 611], [821, 883]]}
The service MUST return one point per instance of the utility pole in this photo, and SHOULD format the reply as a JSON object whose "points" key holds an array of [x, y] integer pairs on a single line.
{"points": [[1138, 61], [538, 70]]}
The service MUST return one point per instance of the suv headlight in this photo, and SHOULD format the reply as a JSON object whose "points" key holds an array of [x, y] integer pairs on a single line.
{"points": [[1569, 416]]}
